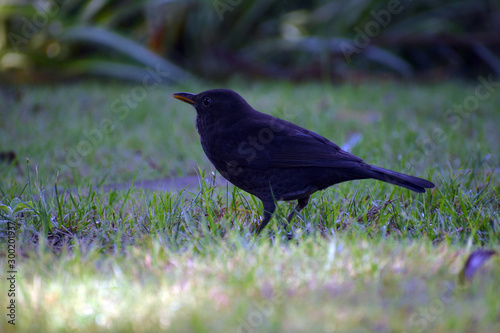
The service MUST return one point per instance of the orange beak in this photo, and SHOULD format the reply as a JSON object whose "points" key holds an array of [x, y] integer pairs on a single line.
{"points": [[185, 97]]}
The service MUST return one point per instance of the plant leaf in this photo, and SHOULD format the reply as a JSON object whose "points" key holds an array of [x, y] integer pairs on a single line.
{"points": [[475, 260], [128, 47]]}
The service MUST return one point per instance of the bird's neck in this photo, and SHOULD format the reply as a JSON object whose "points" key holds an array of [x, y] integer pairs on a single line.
{"points": [[203, 125], [206, 125]]}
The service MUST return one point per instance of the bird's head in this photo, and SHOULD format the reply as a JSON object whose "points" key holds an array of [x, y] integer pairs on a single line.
{"points": [[216, 105]]}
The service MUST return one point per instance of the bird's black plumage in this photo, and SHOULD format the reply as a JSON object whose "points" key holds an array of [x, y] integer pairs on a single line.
{"points": [[274, 159]]}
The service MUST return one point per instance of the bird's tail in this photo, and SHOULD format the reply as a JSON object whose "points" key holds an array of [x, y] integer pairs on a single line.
{"points": [[410, 182]]}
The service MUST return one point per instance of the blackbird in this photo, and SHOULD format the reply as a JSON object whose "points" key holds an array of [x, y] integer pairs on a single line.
{"points": [[274, 159]]}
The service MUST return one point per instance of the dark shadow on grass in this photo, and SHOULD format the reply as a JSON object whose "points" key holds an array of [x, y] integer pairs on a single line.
{"points": [[163, 184]]}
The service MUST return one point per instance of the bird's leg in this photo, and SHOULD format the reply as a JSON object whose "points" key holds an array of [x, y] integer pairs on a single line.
{"points": [[301, 203], [269, 208]]}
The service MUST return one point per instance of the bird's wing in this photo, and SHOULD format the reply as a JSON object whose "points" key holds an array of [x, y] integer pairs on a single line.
{"points": [[285, 145], [303, 148]]}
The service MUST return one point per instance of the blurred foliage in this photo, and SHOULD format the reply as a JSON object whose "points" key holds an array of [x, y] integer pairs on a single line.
{"points": [[40, 40], [214, 39]]}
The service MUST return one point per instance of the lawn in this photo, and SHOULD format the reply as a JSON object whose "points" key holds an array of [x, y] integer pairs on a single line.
{"points": [[98, 250]]}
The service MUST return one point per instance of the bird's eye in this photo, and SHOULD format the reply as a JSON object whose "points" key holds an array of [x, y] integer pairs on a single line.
{"points": [[206, 102]]}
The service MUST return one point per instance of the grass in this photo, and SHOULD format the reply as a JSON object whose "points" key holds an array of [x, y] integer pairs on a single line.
{"points": [[365, 255]]}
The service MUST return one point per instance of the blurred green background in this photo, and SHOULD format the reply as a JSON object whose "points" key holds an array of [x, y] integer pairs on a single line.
{"points": [[338, 40]]}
